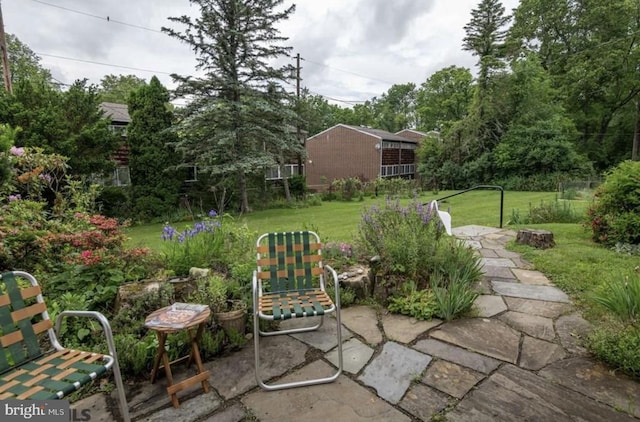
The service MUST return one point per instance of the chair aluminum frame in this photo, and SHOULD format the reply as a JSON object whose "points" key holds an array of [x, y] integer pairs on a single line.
{"points": [[112, 358], [258, 315]]}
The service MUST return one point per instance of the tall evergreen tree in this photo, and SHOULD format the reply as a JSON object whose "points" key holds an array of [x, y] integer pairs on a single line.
{"points": [[485, 35], [236, 42], [155, 182]]}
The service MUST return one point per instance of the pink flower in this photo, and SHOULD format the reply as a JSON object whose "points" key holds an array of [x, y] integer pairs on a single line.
{"points": [[18, 152]]}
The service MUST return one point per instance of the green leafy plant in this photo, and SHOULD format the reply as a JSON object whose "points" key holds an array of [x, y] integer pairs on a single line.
{"points": [[622, 298], [614, 216], [618, 346], [454, 296], [197, 246], [420, 304]]}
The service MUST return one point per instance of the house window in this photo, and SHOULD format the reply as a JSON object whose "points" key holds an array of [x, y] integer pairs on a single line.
{"points": [[192, 174], [121, 176], [275, 173], [119, 129]]}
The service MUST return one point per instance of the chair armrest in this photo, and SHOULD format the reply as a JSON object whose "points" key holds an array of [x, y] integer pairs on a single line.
{"points": [[106, 327], [336, 283]]}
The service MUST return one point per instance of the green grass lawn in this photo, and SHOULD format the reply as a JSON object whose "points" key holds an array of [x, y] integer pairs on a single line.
{"points": [[338, 221]]}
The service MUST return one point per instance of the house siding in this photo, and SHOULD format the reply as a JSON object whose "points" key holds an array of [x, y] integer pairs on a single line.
{"points": [[341, 152], [414, 135]]}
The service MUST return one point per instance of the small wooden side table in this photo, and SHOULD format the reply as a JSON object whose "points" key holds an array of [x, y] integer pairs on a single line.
{"points": [[172, 319]]}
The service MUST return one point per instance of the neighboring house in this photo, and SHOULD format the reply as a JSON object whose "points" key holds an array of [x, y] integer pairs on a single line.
{"points": [[412, 134], [356, 151], [291, 167], [119, 115]]}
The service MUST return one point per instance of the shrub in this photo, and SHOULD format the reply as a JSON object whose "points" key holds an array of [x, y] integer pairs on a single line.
{"points": [[614, 217], [415, 256], [547, 212], [348, 188], [618, 346]]}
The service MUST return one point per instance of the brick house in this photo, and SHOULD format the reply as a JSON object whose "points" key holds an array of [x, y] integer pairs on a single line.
{"points": [[356, 151], [412, 134], [119, 116]]}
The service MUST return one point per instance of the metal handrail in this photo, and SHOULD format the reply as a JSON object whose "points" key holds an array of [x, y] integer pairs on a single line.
{"points": [[494, 187]]}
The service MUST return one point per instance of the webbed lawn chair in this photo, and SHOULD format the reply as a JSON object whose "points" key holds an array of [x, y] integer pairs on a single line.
{"points": [[29, 373], [290, 283]]}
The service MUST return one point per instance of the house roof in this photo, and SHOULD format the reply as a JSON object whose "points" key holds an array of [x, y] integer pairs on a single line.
{"points": [[417, 132], [116, 112], [378, 133]]}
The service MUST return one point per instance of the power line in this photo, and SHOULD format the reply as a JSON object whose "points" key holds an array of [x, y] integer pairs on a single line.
{"points": [[348, 71], [104, 64], [108, 19]]}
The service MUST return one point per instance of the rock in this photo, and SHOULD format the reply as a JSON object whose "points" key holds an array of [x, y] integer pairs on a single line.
{"points": [[196, 273], [542, 239], [128, 293]]}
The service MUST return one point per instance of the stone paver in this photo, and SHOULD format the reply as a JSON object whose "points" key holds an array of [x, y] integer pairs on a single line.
{"points": [[363, 321], [473, 231], [535, 326], [450, 378], [473, 244], [531, 277], [324, 338], [527, 291], [189, 410], [343, 400], [488, 253], [392, 371], [457, 355], [496, 262], [597, 381], [498, 272], [404, 329], [489, 305], [572, 331], [233, 375], [536, 354], [512, 394], [355, 355], [97, 407], [489, 337], [423, 402], [537, 307], [234, 413]]}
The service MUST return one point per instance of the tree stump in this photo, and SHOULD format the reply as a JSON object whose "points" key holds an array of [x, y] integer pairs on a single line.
{"points": [[541, 239]]}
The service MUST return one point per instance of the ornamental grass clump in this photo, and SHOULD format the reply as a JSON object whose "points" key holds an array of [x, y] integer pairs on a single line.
{"points": [[422, 271], [197, 246]]}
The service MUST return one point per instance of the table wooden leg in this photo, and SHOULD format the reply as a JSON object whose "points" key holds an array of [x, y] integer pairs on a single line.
{"points": [[161, 352], [195, 351]]}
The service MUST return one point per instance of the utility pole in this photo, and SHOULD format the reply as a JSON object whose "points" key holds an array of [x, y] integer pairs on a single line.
{"points": [[298, 131], [5, 56]]}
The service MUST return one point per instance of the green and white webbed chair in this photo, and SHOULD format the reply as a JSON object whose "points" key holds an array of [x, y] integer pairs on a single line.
{"points": [[29, 372], [290, 283]]}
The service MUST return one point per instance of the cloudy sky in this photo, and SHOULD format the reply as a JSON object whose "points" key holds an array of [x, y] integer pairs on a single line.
{"points": [[352, 50]]}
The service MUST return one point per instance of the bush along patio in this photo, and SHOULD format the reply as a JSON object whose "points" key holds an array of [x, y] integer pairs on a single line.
{"points": [[419, 270]]}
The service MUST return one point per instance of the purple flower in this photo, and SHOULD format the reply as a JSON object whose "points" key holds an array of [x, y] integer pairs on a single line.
{"points": [[18, 152], [168, 232], [212, 213], [45, 176], [14, 197]]}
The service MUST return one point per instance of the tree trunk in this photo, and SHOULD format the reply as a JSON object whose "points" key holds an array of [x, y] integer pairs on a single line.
{"points": [[244, 197], [636, 134], [541, 239]]}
